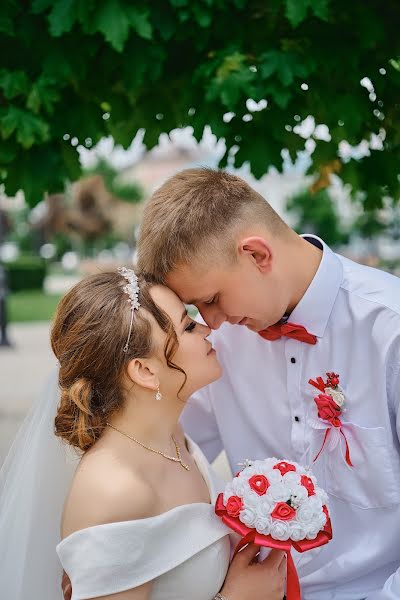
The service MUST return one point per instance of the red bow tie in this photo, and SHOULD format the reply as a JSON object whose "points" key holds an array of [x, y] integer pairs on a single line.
{"points": [[290, 330]]}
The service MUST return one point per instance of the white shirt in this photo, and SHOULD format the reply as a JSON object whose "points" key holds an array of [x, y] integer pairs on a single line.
{"points": [[261, 406]]}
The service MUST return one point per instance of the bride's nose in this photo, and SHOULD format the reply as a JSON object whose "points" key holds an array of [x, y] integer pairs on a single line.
{"points": [[207, 331]]}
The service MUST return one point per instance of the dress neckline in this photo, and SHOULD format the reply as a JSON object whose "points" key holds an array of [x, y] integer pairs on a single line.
{"points": [[205, 471]]}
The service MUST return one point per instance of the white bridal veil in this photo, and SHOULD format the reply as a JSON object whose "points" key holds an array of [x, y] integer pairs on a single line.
{"points": [[34, 480]]}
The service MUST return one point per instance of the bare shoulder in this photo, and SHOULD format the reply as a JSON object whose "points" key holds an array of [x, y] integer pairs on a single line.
{"points": [[104, 490]]}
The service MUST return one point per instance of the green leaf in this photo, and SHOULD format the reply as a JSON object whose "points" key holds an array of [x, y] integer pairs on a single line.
{"points": [[139, 19], [296, 11], [32, 161], [262, 153], [113, 22], [287, 66], [320, 9], [7, 152], [13, 83], [202, 15], [43, 94], [28, 128], [269, 63], [62, 17], [233, 81]]}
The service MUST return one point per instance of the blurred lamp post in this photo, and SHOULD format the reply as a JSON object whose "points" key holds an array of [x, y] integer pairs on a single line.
{"points": [[3, 291]]}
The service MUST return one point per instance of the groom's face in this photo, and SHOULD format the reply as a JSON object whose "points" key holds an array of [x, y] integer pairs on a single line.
{"points": [[238, 294]]}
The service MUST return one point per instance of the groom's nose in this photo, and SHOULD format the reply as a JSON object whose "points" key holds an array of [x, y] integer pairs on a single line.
{"points": [[212, 316]]}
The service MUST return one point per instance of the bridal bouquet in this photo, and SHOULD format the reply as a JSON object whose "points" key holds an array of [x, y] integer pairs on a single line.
{"points": [[277, 504]]}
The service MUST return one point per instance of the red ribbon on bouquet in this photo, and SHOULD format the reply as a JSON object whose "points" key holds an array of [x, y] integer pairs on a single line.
{"points": [[252, 536]]}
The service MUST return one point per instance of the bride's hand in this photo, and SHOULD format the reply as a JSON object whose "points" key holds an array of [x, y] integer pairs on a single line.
{"points": [[249, 580]]}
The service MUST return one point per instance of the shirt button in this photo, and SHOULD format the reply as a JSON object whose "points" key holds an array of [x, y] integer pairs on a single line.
{"points": [[293, 360], [297, 419]]}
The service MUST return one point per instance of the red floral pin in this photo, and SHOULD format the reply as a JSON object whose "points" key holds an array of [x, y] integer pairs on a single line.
{"points": [[330, 405]]}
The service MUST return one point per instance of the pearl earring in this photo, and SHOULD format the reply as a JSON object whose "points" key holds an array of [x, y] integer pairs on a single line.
{"points": [[158, 394]]}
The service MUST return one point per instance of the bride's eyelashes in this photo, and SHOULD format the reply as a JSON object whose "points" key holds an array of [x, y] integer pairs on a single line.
{"points": [[191, 326]]}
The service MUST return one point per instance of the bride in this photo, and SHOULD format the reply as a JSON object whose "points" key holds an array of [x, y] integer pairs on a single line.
{"points": [[138, 520]]}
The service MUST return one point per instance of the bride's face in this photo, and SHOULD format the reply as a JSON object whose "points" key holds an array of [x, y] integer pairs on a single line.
{"points": [[195, 354]]}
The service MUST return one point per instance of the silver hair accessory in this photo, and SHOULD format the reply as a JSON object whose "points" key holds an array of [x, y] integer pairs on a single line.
{"points": [[132, 290]]}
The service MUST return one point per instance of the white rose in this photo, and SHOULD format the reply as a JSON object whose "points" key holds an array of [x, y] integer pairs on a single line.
{"points": [[251, 498], [271, 462], [265, 506], [258, 464], [279, 492], [291, 478], [315, 504], [273, 476], [305, 513], [280, 530], [263, 525], [239, 486], [297, 531], [248, 516], [313, 529]]}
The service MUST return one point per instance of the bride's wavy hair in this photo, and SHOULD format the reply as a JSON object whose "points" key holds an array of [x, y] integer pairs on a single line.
{"points": [[88, 336]]}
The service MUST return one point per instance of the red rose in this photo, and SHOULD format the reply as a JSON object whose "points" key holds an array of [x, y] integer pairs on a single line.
{"points": [[328, 410], [284, 467], [259, 484], [234, 506], [333, 379], [283, 512], [308, 484]]}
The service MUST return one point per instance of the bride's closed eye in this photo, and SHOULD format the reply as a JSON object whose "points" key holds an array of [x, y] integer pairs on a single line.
{"points": [[191, 326]]}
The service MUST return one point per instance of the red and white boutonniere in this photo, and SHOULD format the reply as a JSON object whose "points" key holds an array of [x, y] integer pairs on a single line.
{"points": [[330, 405]]}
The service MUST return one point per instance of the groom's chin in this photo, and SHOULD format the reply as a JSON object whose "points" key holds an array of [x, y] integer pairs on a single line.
{"points": [[255, 325]]}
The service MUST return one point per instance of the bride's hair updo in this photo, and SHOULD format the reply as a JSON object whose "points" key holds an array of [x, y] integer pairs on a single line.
{"points": [[88, 336]]}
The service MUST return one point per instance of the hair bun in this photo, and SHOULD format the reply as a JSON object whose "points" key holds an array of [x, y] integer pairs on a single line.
{"points": [[76, 422]]}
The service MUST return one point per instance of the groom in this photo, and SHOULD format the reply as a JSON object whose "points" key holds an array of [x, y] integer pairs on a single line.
{"points": [[286, 310]]}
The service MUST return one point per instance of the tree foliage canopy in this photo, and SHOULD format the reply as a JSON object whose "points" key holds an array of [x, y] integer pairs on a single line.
{"points": [[90, 68]]}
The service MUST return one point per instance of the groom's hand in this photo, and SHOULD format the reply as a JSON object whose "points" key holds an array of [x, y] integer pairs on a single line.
{"points": [[66, 586]]}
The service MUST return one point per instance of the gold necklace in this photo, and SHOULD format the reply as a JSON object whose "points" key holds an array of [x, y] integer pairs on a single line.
{"points": [[177, 459]]}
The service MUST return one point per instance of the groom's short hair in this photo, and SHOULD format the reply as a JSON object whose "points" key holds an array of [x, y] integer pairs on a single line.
{"points": [[195, 215]]}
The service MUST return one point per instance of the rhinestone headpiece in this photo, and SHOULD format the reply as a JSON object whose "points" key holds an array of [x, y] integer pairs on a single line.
{"points": [[132, 290]]}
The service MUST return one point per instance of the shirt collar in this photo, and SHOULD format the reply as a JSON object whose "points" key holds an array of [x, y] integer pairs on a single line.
{"points": [[315, 307]]}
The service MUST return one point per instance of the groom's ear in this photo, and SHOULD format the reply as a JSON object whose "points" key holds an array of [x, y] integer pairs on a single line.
{"points": [[258, 250], [140, 371]]}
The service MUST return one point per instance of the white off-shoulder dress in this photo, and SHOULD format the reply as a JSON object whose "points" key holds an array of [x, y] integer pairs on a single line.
{"points": [[184, 551]]}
